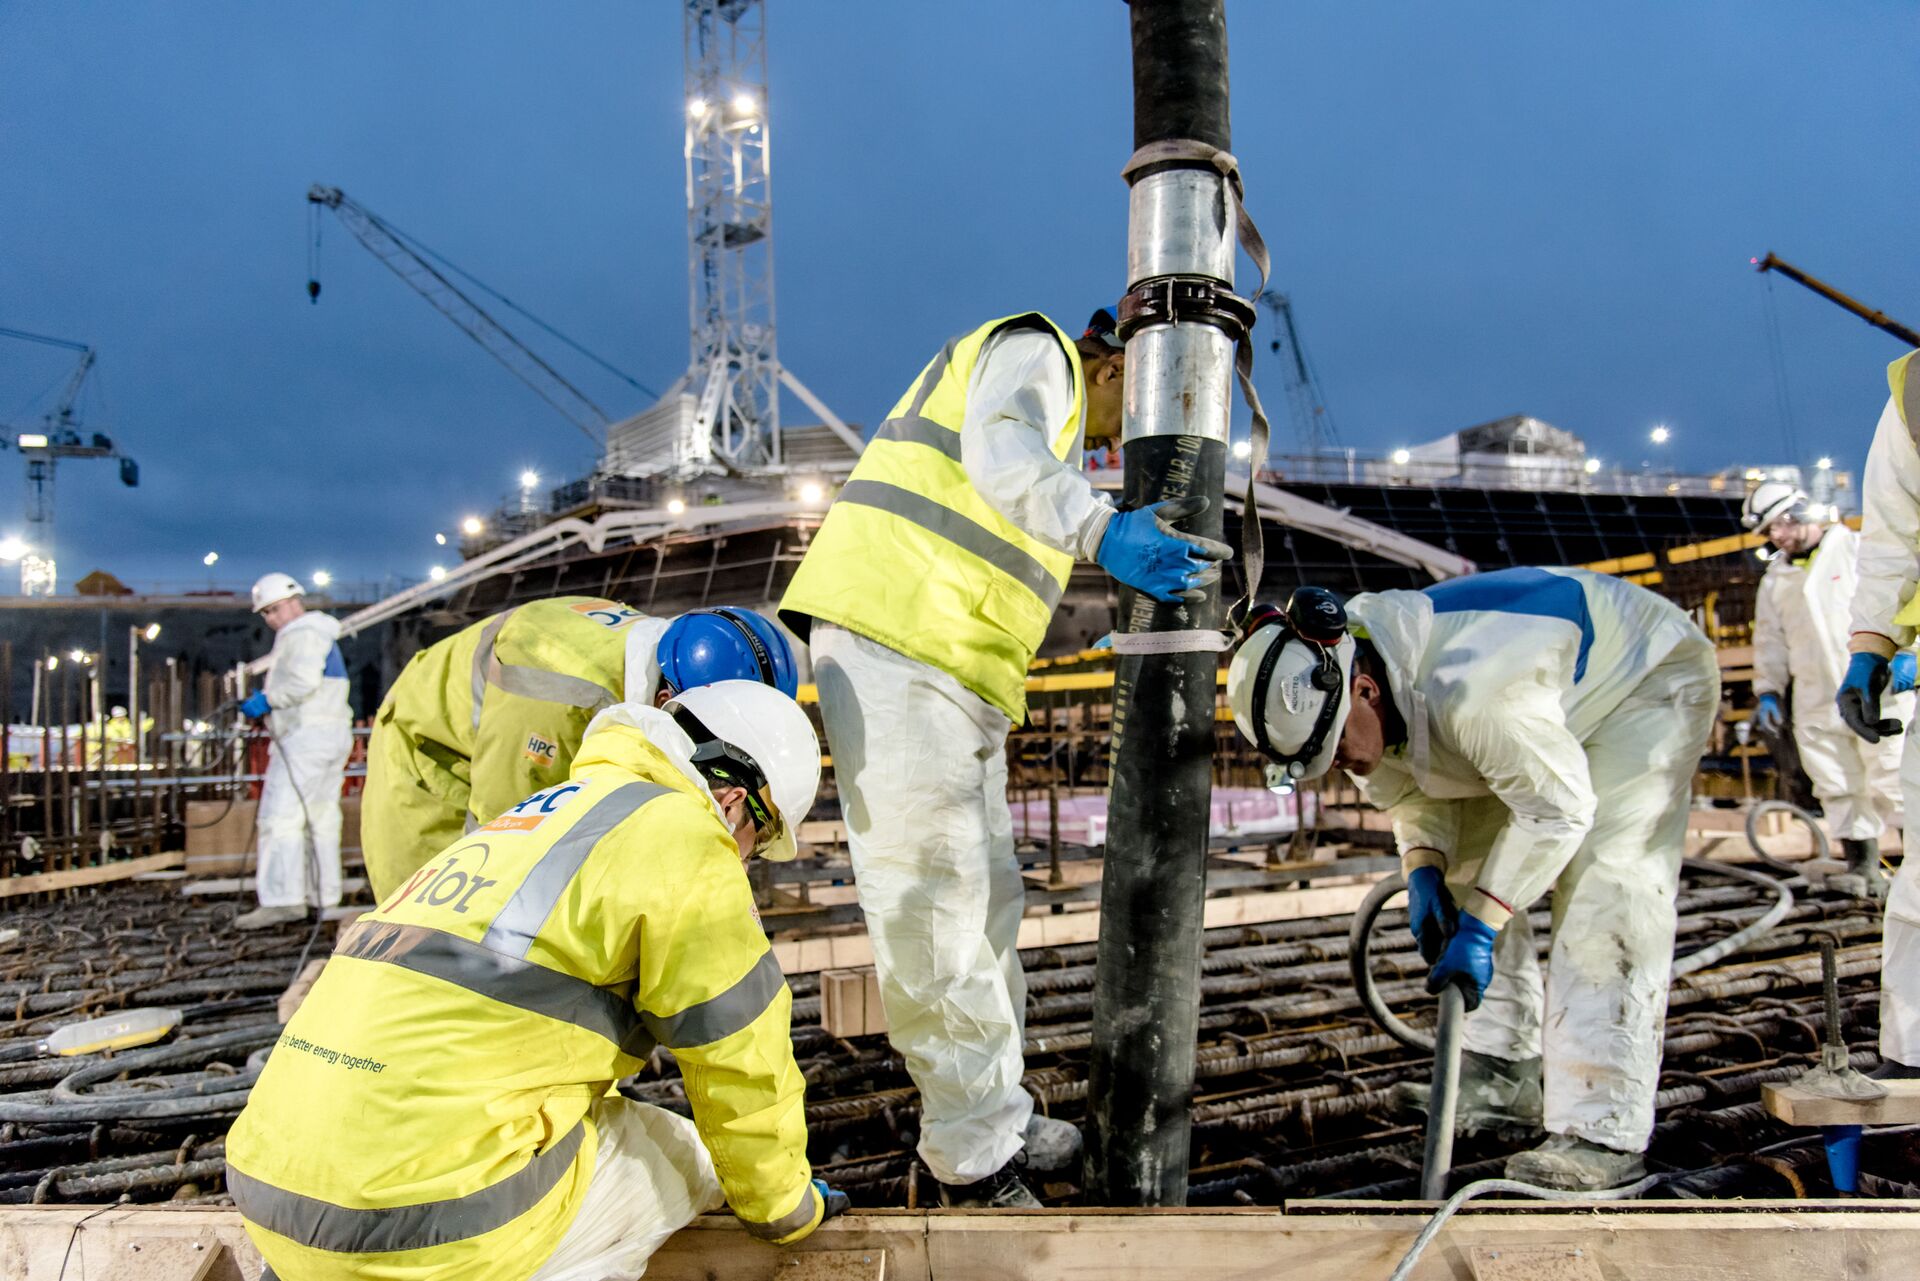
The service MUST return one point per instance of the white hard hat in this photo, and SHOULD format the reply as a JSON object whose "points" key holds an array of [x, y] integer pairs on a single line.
{"points": [[274, 588], [1281, 718], [1769, 501], [758, 738]]}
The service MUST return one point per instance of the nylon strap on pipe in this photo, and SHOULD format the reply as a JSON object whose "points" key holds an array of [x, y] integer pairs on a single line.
{"points": [[1180, 642], [1253, 547]]}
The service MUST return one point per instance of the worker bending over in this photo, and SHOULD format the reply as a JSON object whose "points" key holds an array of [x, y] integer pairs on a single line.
{"points": [[1526, 729], [924, 596], [441, 1107], [1885, 612], [496, 711], [304, 705], [1800, 641]]}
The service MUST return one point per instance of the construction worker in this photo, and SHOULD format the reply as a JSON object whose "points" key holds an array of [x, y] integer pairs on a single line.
{"points": [[1886, 610], [923, 596], [496, 711], [1800, 642], [1526, 729], [442, 1105], [310, 723]]}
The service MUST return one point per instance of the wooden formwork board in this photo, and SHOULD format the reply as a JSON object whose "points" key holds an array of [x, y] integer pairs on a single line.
{"points": [[1671, 1241]]}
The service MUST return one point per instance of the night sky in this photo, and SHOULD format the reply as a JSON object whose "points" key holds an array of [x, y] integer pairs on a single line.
{"points": [[1479, 210]]}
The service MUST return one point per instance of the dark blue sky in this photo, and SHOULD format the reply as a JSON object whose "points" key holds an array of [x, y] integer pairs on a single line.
{"points": [[1478, 209]]}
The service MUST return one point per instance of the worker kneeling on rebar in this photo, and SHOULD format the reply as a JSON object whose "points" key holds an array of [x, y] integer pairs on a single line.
{"points": [[442, 1105], [1800, 640], [1526, 729], [496, 711]]}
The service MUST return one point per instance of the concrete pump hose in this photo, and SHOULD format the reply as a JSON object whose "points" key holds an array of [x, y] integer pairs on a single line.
{"points": [[1740, 939], [1460, 1198], [1822, 850]]}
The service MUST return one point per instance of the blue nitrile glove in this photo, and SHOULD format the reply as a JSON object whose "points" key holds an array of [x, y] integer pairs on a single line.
{"points": [[1142, 549], [833, 1198], [1902, 668], [256, 705], [1859, 697], [1431, 914], [1768, 715], [1468, 960]]}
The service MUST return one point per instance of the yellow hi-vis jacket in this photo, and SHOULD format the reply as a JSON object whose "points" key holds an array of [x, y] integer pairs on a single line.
{"points": [[425, 1114], [481, 719], [912, 556]]}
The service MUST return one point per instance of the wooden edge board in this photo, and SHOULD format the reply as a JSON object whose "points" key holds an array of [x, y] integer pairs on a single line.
{"points": [[1796, 1106], [40, 882]]}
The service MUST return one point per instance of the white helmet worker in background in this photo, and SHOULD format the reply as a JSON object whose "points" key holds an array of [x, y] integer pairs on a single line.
{"points": [[1886, 608], [540, 960], [1800, 642], [304, 705], [1527, 729]]}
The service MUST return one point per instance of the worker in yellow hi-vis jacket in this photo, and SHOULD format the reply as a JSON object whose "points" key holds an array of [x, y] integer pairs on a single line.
{"points": [[441, 1107], [496, 711]]}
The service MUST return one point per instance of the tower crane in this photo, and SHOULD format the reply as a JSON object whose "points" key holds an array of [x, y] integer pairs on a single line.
{"points": [[396, 250], [60, 437], [1312, 424]]}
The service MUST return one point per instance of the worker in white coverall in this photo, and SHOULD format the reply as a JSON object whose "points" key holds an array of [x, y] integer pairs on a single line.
{"points": [[1527, 729], [1885, 613], [1800, 641], [304, 706], [924, 596]]}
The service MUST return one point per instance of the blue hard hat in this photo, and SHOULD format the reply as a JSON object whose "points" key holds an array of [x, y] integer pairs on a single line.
{"points": [[725, 644]]}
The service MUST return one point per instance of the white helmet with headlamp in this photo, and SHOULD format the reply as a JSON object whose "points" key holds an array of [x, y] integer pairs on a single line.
{"points": [[1769, 501], [752, 736], [1288, 683]]}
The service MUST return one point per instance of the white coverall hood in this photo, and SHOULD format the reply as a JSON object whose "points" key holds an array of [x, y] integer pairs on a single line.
{"points": [[663, 732], [643, 660]]}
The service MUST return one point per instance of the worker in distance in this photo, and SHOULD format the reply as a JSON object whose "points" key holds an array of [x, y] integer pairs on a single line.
{"points": [[305, 708], [496, 711], [924, 596], [1527, 729], [1886, 609], [1800, 643], [442, 1106]]}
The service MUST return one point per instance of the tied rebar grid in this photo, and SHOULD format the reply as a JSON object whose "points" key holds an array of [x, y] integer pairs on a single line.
{"points": [[1295, 1086]]}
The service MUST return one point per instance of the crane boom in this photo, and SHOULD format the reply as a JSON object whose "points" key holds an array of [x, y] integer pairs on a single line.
{"points": [[389, 247], [1878, 319]]}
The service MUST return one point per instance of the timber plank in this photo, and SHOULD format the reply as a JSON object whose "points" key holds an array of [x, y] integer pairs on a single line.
{"points": [[1796, 1106], [39, 882]]}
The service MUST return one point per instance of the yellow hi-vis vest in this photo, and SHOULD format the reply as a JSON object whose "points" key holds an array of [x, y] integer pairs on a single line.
{"points": [[912, 556], [1903, 378], [428, 1112], [480, 719]]}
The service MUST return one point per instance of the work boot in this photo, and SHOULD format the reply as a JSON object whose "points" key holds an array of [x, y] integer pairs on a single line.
{"points": [[262, 918], [1004, 1189], [1894, 1070], [1575, 1165], [1863, 877], [1495, 1094], [1051, 1145]]}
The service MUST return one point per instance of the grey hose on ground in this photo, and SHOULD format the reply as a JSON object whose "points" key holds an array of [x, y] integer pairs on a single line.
{"points": [[1460, 1198], [1822, 849]]}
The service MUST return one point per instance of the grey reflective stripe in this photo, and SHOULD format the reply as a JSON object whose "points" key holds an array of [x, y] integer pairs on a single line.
{"points": [[722, 1015], [523, 984], [322, 1225], [931, 379], [550, 687], [958, 530], [921, 431], [483, 659], [513, 930], [787, 1224]]}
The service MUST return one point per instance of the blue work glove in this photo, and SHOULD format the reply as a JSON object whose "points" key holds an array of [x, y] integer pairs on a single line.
{"points": [[1902, 668], [1468, 960], [256, 705], [1431, 914], [833, 1198], [1859, 697], [1768, 715], [1142, 549]]}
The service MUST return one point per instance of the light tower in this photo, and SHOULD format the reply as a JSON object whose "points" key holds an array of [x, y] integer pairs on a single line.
{"points": [[735, 369]]}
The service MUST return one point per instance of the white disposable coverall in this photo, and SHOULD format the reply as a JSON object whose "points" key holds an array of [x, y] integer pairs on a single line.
{"points": [[1555, 719], [1889, 567], [1800, 638], [312, 729], [920, 761]]}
